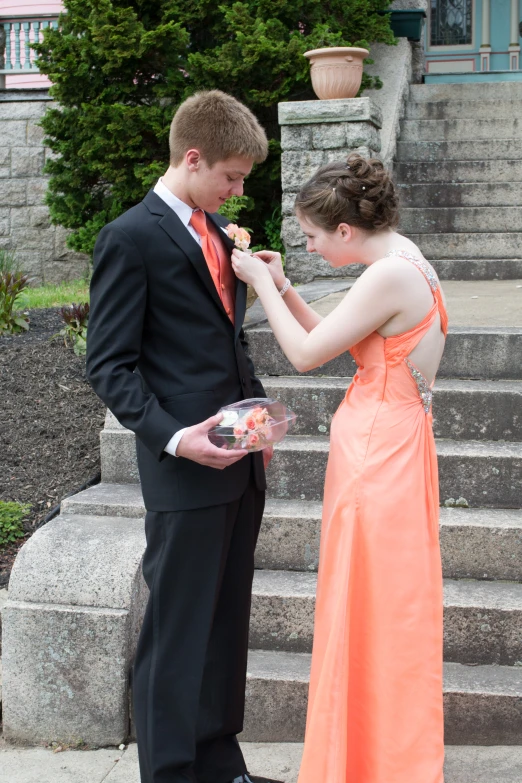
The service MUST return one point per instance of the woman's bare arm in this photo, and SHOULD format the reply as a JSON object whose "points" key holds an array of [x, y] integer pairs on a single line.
{"points": [[372, 301]]}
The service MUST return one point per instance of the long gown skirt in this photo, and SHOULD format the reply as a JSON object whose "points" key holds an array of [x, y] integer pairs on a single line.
{"points": [[375, 704]]}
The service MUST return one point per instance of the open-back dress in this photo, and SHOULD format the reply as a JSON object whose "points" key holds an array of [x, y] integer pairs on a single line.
{"points": [[375, 702]]}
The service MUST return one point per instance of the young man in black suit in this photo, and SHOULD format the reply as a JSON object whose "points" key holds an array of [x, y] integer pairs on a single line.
{"points": [[166, 350]]}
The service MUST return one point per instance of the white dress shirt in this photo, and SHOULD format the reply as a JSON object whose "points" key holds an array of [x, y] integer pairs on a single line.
{"points": [[184, 212]]}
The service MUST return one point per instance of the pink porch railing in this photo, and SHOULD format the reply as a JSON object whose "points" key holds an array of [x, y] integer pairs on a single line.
{"points": [[20, 33]]}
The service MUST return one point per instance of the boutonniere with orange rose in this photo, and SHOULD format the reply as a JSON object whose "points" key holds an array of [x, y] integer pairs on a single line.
{"points": [[240, 236], [252, 424]]}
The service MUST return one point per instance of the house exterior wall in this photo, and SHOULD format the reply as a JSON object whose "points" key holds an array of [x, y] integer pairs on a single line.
{"points": [[466, 58], [11, 9]]}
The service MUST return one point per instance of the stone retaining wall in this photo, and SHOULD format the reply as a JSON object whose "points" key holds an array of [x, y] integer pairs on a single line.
{"points": [[25, 228]]}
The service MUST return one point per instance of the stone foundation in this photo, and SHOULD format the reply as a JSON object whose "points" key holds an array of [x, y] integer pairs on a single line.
{"points": [[25, 227], [314, 133]]}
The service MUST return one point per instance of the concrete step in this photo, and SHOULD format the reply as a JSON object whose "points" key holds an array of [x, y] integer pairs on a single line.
{"points": [[494, 149], [468, 410], [467, 220], [460, 194], [482, 620], [463, 109], [476, 543], [486, 91], [482, 303], [461, 129], [481, 703], [478, 268], [447, 171], [487, 474], [107, 500], [489, 245], [484, 353]]}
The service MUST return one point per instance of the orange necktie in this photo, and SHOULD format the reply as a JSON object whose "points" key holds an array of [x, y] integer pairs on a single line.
{"points": [[198, 221]]}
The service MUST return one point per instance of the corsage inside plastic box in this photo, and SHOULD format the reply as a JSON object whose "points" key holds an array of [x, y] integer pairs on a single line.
{"points": [[252, 424]]}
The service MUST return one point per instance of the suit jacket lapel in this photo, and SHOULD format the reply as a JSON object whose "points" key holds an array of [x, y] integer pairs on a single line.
{"points": [[172, 225]]}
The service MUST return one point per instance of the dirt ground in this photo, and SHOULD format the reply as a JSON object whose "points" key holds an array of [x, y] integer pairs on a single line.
{"points": [[50, 420]]}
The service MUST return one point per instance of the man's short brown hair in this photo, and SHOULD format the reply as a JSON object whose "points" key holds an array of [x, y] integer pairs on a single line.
{"points": [[217, 125]]}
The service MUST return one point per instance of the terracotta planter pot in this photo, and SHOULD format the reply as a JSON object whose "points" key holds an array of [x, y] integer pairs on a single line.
{"points": [[336, 71]]}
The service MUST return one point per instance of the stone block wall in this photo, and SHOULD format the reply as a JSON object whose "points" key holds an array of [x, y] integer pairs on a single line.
{"points": [[314, 133], [25, 228]]}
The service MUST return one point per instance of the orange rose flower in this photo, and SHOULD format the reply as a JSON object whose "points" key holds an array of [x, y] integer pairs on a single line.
{"points": [[250, 423]]}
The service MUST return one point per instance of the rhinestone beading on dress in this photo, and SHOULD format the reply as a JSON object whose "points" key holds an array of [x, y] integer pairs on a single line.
{"points": [[424, 267], [425, 390]]}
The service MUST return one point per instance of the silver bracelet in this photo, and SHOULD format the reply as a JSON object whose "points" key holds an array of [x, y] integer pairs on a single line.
{"points": [[285, 288]]}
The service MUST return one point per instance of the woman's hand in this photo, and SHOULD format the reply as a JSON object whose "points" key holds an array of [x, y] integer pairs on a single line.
{"points": [[274, 265], [248, 268]]}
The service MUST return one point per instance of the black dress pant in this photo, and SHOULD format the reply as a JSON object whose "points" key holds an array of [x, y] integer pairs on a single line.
{"points": [[190, 668]]}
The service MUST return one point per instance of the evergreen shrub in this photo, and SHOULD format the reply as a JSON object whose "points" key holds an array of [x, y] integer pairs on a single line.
{"points": [[120, 68]]}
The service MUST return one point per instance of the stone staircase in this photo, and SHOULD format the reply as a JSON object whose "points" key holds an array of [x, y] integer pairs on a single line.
{"points": [[459, 170], [479, 428]]}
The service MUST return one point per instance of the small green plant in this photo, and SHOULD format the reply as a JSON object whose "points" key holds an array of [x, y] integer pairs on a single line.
{"points": [[272, 228], [234, 205], [74, 333], [8, 261], [11, 519], [11, 286]]}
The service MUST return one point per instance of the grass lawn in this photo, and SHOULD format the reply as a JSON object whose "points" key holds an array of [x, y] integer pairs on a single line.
{"points": [[54, 295]]}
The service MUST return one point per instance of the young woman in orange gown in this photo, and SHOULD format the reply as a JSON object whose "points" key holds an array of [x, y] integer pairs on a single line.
{"points": [[375, 702]]}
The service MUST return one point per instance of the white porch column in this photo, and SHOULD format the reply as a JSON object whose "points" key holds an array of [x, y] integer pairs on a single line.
{"points": [[485, 47], [514, 46]]}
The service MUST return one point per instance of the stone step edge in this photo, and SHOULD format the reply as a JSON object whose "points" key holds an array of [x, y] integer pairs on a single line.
{"points": [[457, 330], [441, 384], [128, 498], [445, 446], [459, 594], [494, 680], [495, 208]]}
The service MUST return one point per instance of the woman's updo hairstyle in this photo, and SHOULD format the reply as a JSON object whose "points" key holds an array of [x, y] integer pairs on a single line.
{"points": [[358, 192]]}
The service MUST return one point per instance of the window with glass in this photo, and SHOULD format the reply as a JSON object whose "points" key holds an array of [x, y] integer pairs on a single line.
{"points": [[450, 22]]}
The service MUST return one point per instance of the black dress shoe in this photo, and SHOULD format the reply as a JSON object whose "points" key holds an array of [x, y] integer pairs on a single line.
{"points": [[256, 779]]}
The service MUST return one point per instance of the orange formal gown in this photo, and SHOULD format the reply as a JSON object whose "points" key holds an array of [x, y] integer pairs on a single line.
{"points": [[375, 703]]}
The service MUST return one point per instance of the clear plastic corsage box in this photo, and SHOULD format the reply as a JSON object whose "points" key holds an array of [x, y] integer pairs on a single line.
{"points": [[252, 424]]}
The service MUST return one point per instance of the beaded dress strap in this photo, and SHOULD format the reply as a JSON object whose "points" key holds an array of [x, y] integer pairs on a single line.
{"points": [[421, 264], [424, 388]]}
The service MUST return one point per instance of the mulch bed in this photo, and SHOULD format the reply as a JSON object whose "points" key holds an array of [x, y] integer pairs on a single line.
{"points": [[50, 422]]}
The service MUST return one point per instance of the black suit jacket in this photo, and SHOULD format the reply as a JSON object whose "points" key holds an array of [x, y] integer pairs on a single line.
{"points": [[162, 353]]}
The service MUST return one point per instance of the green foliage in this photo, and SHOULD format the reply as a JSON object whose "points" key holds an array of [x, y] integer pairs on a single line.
{"points": [[8, 262], [74, 333], [11, 286], [233, 206], [272, 229], [120, 68], [11, 519]]}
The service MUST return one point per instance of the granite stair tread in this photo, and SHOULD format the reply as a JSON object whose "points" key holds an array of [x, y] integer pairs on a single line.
{"points": [[461, 129], [458, 677], [444, 446], [461, 593]]}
